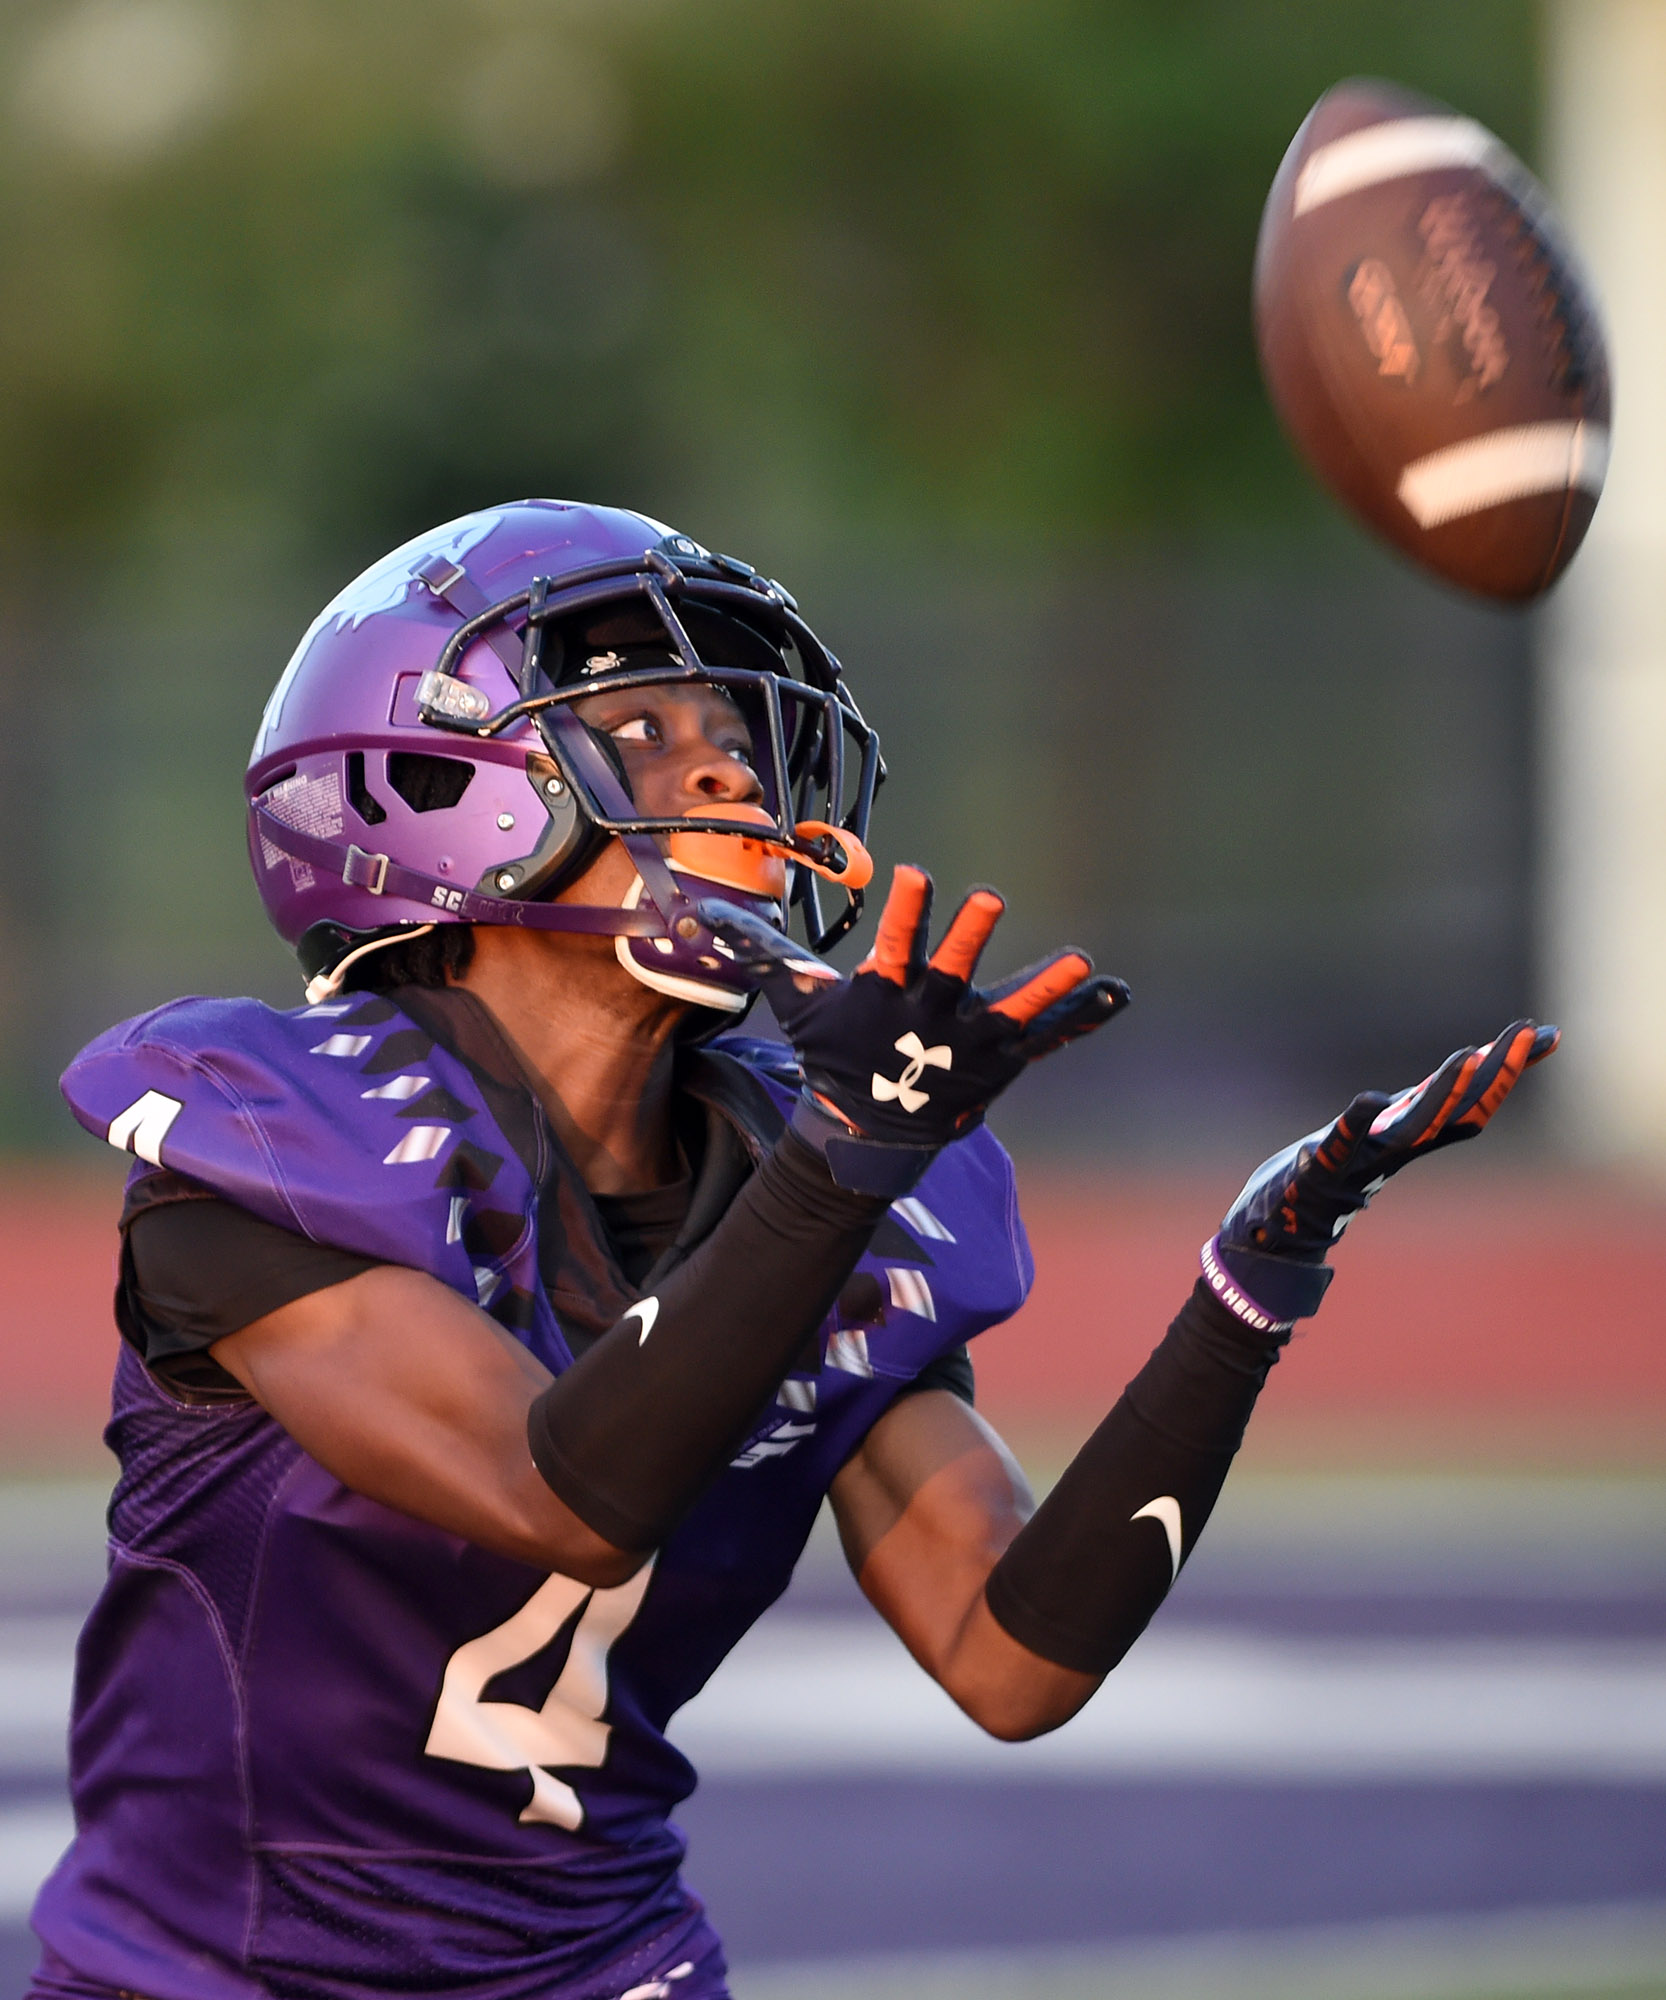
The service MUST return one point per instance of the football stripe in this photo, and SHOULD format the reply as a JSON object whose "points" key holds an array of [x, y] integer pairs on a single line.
{"points": [[1504, 465], [422, 1142], [1389, 151], [911, 1294], [920, 1219], [847, 1350]]}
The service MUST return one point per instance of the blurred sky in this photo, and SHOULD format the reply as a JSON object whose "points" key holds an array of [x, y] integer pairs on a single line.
{"points": [[939, 311]]}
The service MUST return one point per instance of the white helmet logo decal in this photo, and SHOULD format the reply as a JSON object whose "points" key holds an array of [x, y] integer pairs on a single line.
{"points": [[904, 1091]]}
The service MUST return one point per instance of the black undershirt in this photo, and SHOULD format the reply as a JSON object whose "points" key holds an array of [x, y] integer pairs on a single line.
{"points": [[195, 1267], [642, 1227]]}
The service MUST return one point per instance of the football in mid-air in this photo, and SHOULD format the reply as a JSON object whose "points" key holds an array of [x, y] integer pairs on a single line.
{"points": [[1429, 340]]}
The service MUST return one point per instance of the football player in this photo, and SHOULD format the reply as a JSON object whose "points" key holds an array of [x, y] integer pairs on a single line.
{"points": [[495, 1325]]}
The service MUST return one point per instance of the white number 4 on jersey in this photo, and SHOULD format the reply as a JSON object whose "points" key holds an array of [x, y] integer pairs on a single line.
{"points": [[568, 1731]]}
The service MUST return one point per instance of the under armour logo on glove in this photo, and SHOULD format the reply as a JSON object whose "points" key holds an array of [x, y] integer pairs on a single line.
{"points": [[849, 1032], [905, 1090]]}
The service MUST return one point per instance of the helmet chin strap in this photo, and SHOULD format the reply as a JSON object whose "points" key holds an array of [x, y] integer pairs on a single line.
{"points": [[692, 965], [694, 969]]}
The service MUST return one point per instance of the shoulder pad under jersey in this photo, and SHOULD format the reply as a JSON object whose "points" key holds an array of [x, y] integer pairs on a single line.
{"points": [[344, 1122], [772, 1059]]}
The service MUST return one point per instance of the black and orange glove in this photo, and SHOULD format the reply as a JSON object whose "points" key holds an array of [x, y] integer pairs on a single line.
{"points": [[908, 1054], [1267, 1264]]}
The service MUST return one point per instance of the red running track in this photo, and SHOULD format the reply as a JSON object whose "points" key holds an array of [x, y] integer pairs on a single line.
{"points": [[1485, 1314]]}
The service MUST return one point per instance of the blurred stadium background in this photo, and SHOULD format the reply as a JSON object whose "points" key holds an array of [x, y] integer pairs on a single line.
{"points": [[939, 312]]}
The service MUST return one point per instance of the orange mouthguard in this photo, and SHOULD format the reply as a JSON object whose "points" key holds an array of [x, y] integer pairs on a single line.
{"points": [[759, 866]]}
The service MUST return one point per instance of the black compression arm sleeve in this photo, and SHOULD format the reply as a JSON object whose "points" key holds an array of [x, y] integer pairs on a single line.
{"points": [[1079, 1584], [632, 1432]]}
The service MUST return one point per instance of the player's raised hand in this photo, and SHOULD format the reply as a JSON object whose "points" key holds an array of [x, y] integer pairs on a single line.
{"points": [[908, 1052], [1269, 1258]]}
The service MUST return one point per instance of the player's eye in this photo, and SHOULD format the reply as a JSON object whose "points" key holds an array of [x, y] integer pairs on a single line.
{"points": [[639, 729]]}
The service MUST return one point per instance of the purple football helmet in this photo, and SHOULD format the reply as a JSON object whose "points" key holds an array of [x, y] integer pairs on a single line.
{"points": [[421, 761]]}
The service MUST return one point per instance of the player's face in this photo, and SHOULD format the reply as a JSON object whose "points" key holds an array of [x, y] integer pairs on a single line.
{"points": [[685, 748]]}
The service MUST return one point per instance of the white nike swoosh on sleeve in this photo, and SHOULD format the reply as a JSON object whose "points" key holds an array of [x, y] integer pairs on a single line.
{"points": [[645, 1310], [1165, 1509]]}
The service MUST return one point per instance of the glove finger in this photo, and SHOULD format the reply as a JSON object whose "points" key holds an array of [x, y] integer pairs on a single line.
{"points": [[755, 945], [1086, 1007], [1042, 985], [1490, 1059], [962, 944], [900, 939], [1347, 1133], [1441, 1126], [1415, 1116], [1003, 989], [1502, 1067], [1546, 1041]]}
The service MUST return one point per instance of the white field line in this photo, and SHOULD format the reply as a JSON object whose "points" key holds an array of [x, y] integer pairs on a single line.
{"points": [[36, 1663], [827, 1697], [31, 1839]]}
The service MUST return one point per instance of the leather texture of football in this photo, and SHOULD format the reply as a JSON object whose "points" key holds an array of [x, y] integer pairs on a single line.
{"points": [[1429, 340]]}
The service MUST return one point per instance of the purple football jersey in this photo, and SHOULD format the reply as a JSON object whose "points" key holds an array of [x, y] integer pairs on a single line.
{"points": [[322, 1749]]}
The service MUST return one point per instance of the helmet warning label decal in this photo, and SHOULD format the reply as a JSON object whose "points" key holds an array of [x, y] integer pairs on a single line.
{"points": [[310, 805]]}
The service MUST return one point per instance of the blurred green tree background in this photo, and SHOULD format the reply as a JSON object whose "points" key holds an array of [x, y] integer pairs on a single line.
{"points": [[938, 310]]}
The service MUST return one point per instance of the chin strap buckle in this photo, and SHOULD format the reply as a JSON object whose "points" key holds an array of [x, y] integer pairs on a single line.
{"points": [[364, 871]]}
